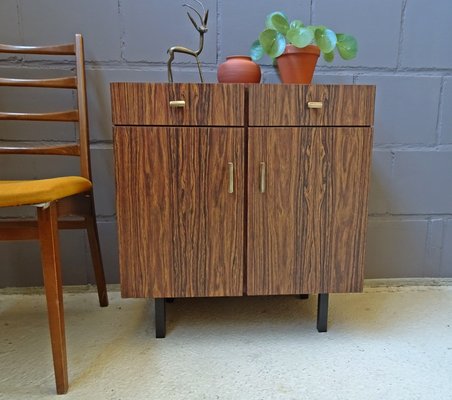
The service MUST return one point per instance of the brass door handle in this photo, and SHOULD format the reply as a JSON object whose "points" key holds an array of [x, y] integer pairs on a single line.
{"points": [[177, 103], [231, 177], [315, 104], [262, 178]]}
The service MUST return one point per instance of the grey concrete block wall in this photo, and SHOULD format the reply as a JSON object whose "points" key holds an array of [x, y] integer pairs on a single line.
{"points": [[162, 25], [421, 182], [405, 116], [396, 247], [379, 182], [446, 256], [50, 21], [445, 113], [9, 28], [375, 23], [410, 207], [421, 49]]}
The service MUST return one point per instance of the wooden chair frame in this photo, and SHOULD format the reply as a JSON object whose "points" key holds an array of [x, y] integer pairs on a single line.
{"points": [[50, 216]]}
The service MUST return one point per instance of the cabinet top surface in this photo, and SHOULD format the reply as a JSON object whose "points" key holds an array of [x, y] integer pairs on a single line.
{"points": [[238, 85]]}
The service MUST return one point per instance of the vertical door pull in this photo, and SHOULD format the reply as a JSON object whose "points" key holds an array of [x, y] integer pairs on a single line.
{"points": [[231, 177], [262, 180]]}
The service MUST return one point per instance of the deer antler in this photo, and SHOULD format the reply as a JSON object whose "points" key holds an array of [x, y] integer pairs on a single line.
{"points": [[203, 20], [192, 8], [202, 6]]}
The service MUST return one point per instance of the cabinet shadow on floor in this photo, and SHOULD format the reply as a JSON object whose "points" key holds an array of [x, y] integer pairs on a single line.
{"points": [[360, 312]]}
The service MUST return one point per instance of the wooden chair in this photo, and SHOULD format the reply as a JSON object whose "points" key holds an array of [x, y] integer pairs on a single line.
{"points": [[55, 198]]}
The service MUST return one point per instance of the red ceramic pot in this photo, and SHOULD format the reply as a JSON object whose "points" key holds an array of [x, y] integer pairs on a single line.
{"points": [[297, 65], [239, 69]]}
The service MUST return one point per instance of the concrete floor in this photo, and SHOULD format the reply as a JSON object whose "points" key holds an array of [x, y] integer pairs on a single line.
{"points": [[387, 343]]}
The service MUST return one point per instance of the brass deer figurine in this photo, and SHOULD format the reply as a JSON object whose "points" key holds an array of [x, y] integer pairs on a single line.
{"points": [[202, 29]]}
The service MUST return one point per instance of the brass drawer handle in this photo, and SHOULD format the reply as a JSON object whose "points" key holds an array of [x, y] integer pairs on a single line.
{"points": [[315, 104], [231, 177], [262, 180], [177, 103]]}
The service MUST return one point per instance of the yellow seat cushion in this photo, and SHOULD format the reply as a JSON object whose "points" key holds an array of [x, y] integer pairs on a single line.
{"points": [[20, 193]]}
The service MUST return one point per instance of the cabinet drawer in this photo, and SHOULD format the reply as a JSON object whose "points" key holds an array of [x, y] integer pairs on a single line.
{"points": [[295, 105], [199, 104]]}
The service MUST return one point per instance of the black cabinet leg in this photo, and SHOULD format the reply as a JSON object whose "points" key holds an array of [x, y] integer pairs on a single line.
{"points": [[304, 296], [322, 312], [160, 318]]}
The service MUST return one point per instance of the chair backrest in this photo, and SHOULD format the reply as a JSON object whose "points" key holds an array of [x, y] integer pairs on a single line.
{"points": [[79, 115]]}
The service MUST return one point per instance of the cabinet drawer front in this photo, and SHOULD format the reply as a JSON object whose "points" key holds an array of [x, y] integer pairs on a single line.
{"points": [[311, 105], [175, 104]]}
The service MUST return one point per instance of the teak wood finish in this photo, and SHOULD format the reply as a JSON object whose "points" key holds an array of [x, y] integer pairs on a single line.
{"points": [[287, 105], [205, 105], [312, 213], [180, 226], [299, 211], [50, 215]]}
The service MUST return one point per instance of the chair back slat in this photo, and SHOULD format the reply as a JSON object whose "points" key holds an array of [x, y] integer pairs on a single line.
{"points": [[58, 50], [77, 82], [56, 150], [68, 82], [68, 116]]}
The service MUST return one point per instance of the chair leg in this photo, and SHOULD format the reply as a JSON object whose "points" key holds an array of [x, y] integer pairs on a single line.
{"points": [[50, 255], [96, 256]]}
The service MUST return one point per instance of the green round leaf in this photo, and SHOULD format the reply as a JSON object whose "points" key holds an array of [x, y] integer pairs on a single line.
{"points": [[347, 46], [328, 57], [272, 42], [279, 22], [296, 24], [269, 19], [312, 28], [300, 37], [256, 51], [325, 39]]}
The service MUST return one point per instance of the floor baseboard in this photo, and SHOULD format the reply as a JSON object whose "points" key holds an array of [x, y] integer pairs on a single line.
{"points": [[387, 284]]}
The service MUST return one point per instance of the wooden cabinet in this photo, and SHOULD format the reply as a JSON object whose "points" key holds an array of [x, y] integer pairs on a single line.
{"points": [[225, 190]]}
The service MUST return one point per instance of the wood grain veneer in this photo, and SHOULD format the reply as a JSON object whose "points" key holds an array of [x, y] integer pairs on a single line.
{"points": [[306, 233], [287, 105], [180, 231], [206, 104], [181, 234]]}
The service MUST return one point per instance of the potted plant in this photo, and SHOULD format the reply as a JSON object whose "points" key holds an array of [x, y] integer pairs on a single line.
{"points": [[296, 47]]}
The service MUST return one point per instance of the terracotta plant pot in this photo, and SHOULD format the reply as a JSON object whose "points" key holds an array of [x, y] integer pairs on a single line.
{"points": [[297, 65], [239, 69]]}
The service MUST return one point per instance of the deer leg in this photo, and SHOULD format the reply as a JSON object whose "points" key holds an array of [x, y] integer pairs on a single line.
{"points": [[170, 60], [199, 69]]}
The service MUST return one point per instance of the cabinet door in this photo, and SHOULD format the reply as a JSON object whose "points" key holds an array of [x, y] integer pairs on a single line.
{"points": [[307, 209], [180, 211]]}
